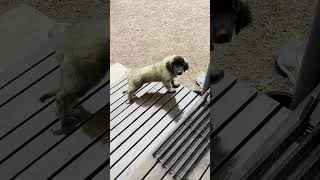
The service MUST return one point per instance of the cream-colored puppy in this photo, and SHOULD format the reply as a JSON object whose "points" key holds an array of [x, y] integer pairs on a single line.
{"points": [[164, 71]]}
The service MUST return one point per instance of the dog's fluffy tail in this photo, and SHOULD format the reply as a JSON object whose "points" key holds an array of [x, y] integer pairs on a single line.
{"points": [[48, 95]]}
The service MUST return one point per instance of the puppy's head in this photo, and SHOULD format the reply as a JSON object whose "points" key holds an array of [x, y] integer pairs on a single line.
{"points": [[227, 17], [177, 65]]}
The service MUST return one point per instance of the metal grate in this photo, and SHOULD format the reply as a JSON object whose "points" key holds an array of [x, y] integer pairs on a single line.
{"points": [[189, 142]]}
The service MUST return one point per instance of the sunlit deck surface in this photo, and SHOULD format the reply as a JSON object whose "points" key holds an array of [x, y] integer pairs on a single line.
{"points": [[28, 148]]}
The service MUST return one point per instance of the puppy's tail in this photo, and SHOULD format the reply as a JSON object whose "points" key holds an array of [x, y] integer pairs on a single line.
{"points": [[48, 95]]}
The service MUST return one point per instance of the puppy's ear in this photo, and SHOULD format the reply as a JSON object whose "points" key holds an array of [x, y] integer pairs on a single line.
{"points": [[169, 66], [186, 66], [244, 16]]}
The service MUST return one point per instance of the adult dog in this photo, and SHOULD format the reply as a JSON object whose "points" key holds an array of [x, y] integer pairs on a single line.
{"points": [[164, 71]]}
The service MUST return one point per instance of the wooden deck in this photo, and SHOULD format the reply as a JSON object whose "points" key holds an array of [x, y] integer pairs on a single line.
{"points": [[137, 129], [28, 148], [241, 122]]}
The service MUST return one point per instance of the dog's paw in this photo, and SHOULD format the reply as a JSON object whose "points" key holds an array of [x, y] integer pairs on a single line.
{"points": [[80, 114], [171, 90], [62, 130], [132, 98], [176, 85]]}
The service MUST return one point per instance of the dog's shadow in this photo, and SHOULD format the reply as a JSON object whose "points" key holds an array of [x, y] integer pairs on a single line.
{"points": [[170, 107], [97, 124]]}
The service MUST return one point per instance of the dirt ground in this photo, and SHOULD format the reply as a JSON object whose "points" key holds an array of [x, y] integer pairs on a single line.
{"points": [[143, 32]]}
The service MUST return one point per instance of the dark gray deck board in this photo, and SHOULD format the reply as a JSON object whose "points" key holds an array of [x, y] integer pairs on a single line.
{"points": [[24, 41], [30, 129], [26, 104], [238, 164], [283, 137], [228, 139], [230, 105], [103, 174], [46, 140], [31, 77], [63, 152], [86, 163]]}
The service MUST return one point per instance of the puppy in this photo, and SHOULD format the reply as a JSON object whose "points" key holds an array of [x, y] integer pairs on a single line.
{"points": [[164, 71], [228, 17], [82, 51]]}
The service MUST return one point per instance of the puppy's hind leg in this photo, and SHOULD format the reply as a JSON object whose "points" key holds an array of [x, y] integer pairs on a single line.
{"points": [[131, 95], [67, 97], [132, 88]]}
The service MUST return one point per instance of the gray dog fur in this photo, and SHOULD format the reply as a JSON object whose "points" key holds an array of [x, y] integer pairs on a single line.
{"points": [[82, 51]]}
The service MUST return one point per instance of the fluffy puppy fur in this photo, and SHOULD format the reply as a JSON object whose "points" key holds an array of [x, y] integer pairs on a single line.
{"points": [[228, 17], [82, 51], [164, 71]]}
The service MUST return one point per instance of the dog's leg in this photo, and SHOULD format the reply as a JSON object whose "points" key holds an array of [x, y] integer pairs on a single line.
{"points": [[66, 98], [81, 113], [132, 88], [64, 103], [174, 83], [168, 86]]}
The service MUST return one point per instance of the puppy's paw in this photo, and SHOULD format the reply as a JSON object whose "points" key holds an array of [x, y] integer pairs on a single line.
{"points": [[67, 125], [80, 114], [171, 90], [132, 98], [175, 85], [62, 130]]}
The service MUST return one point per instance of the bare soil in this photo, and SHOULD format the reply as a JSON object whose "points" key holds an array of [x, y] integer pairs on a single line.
{"points": [[143, 32]]}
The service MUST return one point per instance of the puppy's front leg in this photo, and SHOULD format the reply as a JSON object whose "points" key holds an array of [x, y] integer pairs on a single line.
{"points": [[167, 84], [174, 83]]}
